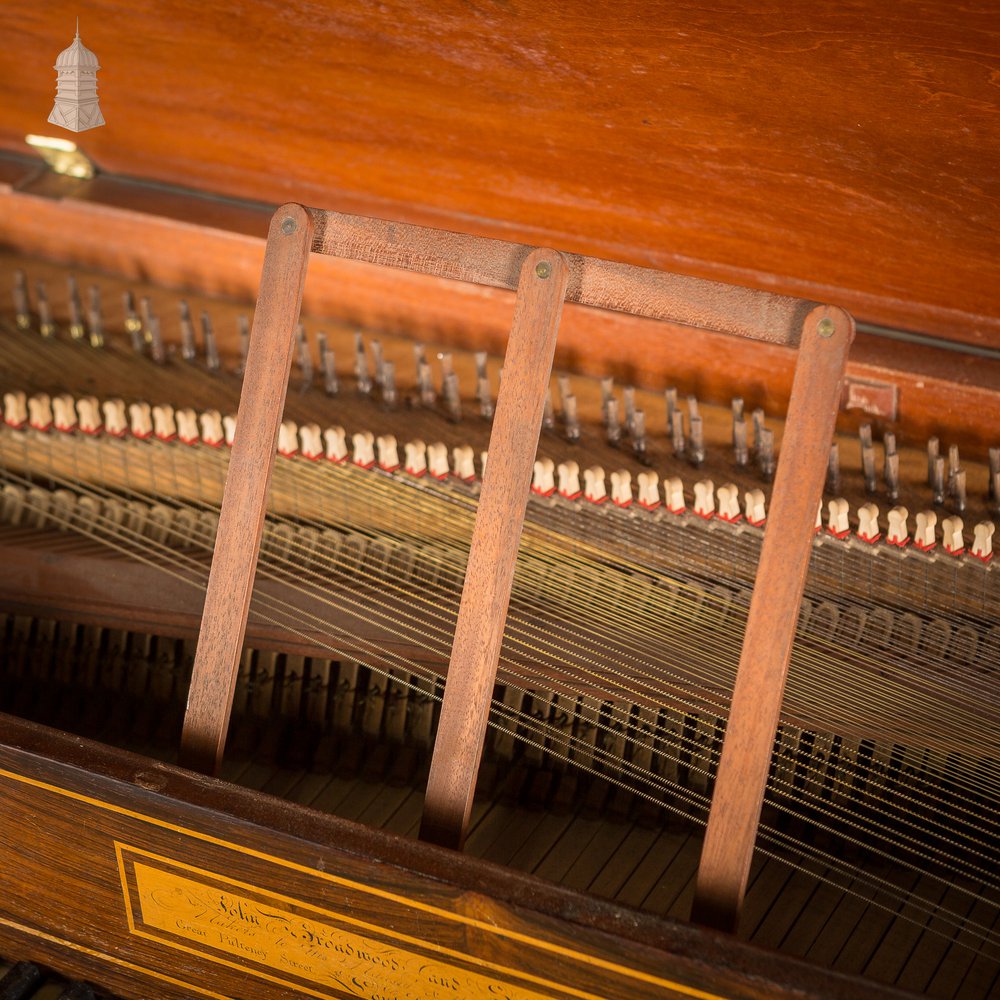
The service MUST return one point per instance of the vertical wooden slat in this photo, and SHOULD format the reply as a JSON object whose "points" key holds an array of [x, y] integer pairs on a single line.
{"points": [[244, 501], [774, 608], [485, 596]]}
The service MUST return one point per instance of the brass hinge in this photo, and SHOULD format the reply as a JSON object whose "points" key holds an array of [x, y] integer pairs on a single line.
{"points": [[62, 156]]}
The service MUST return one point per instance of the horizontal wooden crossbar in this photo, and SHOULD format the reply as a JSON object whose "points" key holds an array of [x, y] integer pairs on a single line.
{"points": [[602, 284]]}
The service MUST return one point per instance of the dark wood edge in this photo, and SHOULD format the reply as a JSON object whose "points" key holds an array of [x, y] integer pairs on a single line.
{"points": [[26, 174], [307, 836]]}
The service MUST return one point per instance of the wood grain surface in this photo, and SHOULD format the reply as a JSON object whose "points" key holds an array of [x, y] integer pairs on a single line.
{"points": [[843, 154]]}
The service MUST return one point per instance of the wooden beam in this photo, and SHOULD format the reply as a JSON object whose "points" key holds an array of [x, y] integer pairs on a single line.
{"points": [[244, 502], [774, 613], [486, 594], [601, 284]]}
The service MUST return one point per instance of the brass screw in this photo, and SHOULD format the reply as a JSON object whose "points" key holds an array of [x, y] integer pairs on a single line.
{"points": [[288, 225], [543, 269], [825, 328]]}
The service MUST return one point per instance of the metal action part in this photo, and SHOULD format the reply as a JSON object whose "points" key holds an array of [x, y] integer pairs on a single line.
{"points": [[868, 458], [156, 350], [670, 397], [677, 433], [361, 376], [46, 325], [612, 426], [891, 467], [483, 395], [607, 394], [933, 450], [765, 454], [330, 383], [211, 348], [147, 316], [452, 400], [833, 470], [378, 362], [958, 495], [22, 315], [740, 450], [628, 401], [548, 414], [758, 428], [696, 439], [133, 325], [189, 350], [571, 419], [94, 318], [389, 395], [76, 330], [639, 434], [938, 481]]}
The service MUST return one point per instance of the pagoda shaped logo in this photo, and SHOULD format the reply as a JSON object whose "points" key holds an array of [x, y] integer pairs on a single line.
{"points": [[76, 106]]}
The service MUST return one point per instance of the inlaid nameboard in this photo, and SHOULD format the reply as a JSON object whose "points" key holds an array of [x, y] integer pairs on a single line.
{"points": [[152, 882], [319, 951]]}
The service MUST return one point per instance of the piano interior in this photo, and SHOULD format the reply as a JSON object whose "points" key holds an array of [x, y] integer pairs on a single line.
{"points": [[679, 139]]}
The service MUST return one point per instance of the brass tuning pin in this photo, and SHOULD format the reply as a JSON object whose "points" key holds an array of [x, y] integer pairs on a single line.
{"points": [[364, 380], [628, 402], [868, 458], [76, 329], [740, 450], [146, 308], [696, 436], [638, 433], [212, 361], [133, 325], [189, 350], [156, 349], [389, 384], [22, 315], [378, 362], [891, 468], [46, 326], [611, 423], [94, 318]]}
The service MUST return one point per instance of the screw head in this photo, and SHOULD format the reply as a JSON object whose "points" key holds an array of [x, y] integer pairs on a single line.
{"points": [[543, 269], [825, 328], [288, 225]]}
